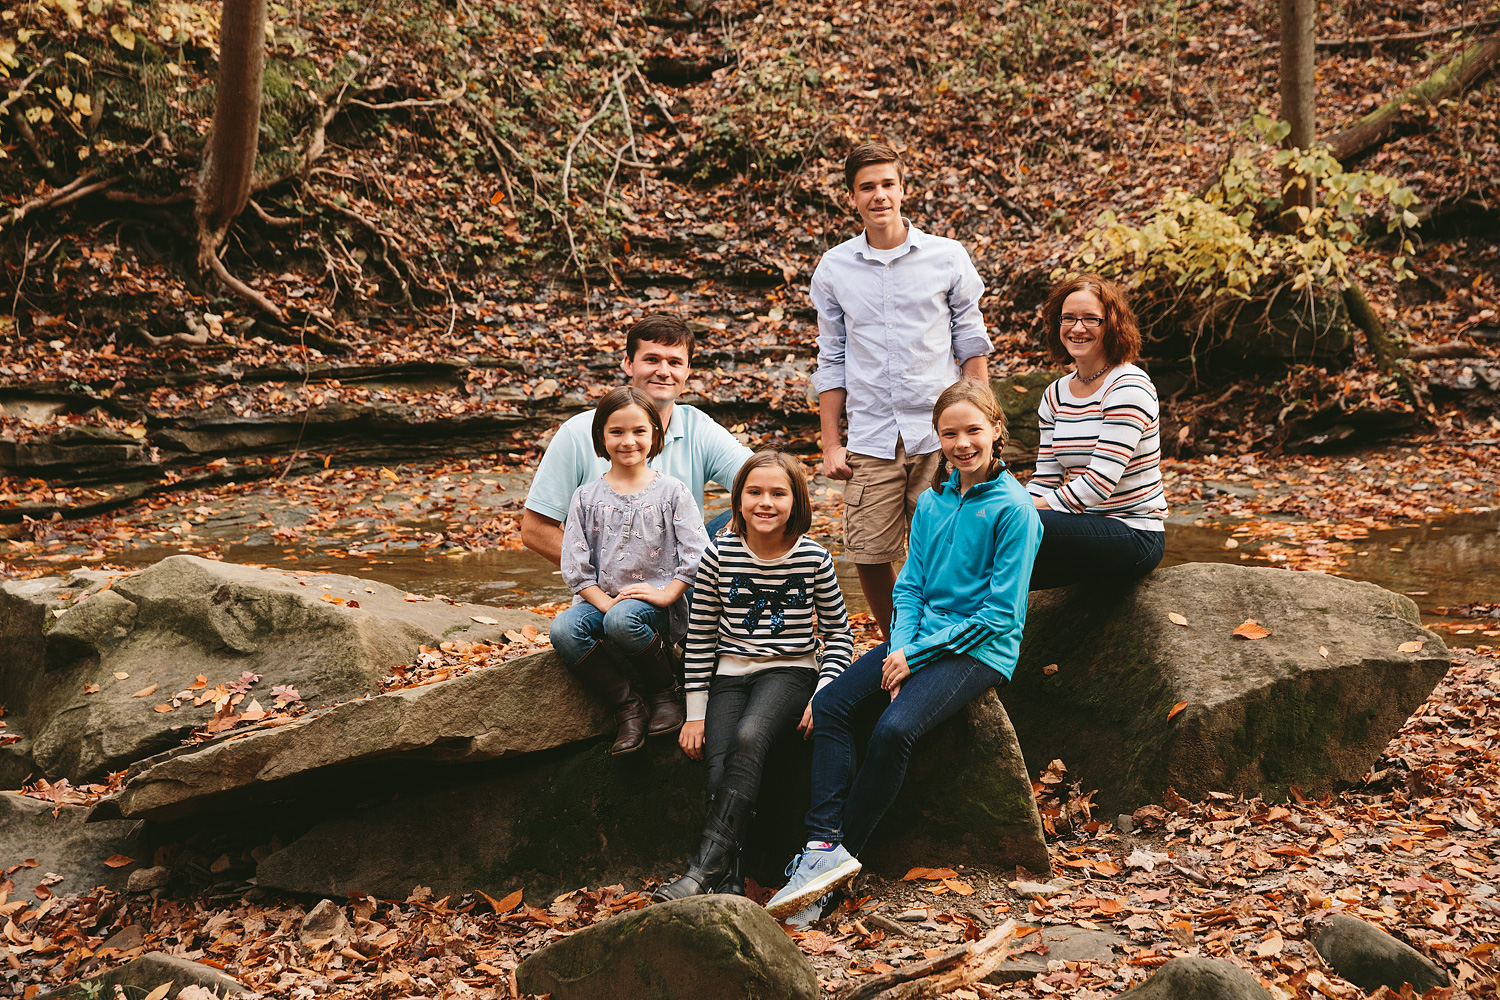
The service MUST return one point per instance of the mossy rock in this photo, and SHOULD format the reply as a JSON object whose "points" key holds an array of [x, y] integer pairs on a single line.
{"points": [[1018, 396]]}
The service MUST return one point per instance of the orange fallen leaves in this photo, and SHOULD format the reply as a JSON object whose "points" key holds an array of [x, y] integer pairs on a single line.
{"points": [[118, 861], [929, 873], [145, 692], [1176, 619], [1176, 709], [1413, 646], [1251, 629]]}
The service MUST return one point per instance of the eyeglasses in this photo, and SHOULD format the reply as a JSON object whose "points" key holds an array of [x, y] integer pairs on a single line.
{"points": [[1091, 322]]}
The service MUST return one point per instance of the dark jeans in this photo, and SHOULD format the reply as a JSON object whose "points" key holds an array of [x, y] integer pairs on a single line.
{"points": [[745, 716], [1085, 547], [846, 805]]}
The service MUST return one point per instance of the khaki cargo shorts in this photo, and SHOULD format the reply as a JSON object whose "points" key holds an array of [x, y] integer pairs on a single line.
{"points": [[879, 501]]}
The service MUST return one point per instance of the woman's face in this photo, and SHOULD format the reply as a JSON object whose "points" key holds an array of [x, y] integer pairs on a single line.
{"points": [[627, 436], [766, 502], [967, 438], [1084, 344]]}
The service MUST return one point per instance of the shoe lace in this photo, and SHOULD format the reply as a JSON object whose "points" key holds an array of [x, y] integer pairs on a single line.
{"points": [[791, 869]]}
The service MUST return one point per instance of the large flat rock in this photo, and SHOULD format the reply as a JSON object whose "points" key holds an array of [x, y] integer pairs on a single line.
{"points": [[575, 815], [62, 841], [187, 616], [1312, 705], [529, 704]]}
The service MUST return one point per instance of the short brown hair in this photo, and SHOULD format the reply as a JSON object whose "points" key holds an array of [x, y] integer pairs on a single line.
{"points": [[969, 390], [1122, 334], [658, 329], [617, 399], [800, 521], [867, 155]]}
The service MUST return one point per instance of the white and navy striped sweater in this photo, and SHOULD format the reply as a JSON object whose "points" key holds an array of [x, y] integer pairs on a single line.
{"points": [[770, 610], [1102, 455]]}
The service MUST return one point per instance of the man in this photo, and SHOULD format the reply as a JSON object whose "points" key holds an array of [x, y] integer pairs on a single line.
{"points": [[658, 359], [898, 322]]}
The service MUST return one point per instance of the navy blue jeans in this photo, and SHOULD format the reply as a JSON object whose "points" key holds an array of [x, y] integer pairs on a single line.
{"points": [[1079, 548], [630, 625], [847, 803], [747, 714]]}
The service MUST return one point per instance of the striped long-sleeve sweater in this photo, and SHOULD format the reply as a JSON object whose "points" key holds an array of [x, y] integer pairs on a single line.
{"points": [[1102, 455], [750, 614]]}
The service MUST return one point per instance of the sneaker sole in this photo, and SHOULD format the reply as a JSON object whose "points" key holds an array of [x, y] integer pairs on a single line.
{"points": [[814, 890]]}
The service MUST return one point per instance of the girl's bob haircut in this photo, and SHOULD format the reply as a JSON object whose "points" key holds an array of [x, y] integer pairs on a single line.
{"points": [[800, 521], [968, 390], [1122, 334], [617, 399]]}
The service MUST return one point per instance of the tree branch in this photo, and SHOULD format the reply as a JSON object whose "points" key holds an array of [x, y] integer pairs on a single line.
{"points": [[239, 288], [78, 188], [947, 972]]}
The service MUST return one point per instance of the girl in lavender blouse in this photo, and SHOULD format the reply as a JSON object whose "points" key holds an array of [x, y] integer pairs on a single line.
{"points": [[631, 546]]}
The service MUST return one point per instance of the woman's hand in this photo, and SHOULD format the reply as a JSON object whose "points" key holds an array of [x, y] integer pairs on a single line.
{"points": [[805, 727], [645, 592], [894, 672], [1041, 503], [690, 738]]}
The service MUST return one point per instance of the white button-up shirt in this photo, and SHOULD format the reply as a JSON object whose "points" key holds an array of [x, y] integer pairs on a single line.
{"points": [[893, 328]]}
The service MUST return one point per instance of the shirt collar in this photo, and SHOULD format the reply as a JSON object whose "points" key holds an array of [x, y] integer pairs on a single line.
{"points": [[677, 427], [913, 241], [988, 484]]}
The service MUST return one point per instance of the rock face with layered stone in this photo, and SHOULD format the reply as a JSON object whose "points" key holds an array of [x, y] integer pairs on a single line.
{"points": [[703, 948], [66, 844], [1370, 958], [1313, 704], [525, 705], [331, 637], [576, 815]]}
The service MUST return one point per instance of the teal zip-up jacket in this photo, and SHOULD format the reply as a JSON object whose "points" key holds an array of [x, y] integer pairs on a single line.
{"points": [[968, 570]]}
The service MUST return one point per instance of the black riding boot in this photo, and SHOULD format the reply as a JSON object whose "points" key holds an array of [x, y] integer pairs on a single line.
{"points": [[599, 673], [659, 678], [728, 818], [733, 882]]}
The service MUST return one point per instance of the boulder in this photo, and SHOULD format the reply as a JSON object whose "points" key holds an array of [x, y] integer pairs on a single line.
{"points": [[525, 705], [155, 630], [1370, 958], [1199, 979], [702, 948], [140, 976], [1018, 396], [65, 844], [577, 815], [1313, 704], [1064, 943]]}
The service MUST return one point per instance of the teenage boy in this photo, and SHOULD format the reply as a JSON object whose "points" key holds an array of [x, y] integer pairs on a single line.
{"points": [[658, 360], [898, 322]]}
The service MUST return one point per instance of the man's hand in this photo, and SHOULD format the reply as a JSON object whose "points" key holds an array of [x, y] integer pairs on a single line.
{"points": [[645, 592], [836, 463], [690, 738], [894, 672], [805, 727]]}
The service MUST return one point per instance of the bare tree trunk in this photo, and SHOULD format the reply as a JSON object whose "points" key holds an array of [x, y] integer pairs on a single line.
{"points": [[1298, 92], [229, 159]]}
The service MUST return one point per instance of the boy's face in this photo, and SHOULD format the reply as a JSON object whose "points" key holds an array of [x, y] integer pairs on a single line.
{"points": [[877, 195]]}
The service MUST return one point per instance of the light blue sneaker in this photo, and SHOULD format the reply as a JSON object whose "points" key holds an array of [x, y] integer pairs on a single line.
{"points": [[815, 872], [803, 919]]}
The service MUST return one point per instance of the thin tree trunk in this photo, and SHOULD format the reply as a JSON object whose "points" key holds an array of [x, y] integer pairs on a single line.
{"points": [[1384, 347], [1375, 127], [229, 159], [1298, 94]]}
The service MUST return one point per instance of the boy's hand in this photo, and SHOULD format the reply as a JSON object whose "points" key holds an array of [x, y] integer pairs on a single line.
{"points": [[805, 727], [645, 592], [690, 738], [836, 463]]}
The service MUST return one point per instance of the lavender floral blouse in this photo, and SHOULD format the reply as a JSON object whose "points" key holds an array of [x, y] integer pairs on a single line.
{"points": [[655, 536]]}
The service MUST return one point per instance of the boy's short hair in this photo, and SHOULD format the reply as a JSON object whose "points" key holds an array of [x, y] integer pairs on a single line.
{"points": [[868, 154], [799, 522], [617, 399], [1122, 333], [658, 329]]}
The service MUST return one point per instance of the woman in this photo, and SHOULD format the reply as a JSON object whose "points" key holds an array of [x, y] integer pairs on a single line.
{"points": [[960, 605], [1098, 470]]}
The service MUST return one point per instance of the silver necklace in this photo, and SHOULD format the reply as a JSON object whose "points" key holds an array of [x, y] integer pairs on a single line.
{"points": [[1086, 379]]}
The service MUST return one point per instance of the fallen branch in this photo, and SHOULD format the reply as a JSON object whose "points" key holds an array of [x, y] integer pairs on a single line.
{"points": [[1375, 127], [437, 102], [1404, 36], [950, 971], [1447, 349], [75, 189]]}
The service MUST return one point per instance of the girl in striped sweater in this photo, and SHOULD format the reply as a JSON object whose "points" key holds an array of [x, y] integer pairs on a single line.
{"points": [[1098, 483], [764, 591]]}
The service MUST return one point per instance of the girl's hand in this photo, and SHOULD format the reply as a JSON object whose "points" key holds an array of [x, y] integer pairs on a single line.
{"points": [[805, 727], [645, 592], [596, 596], [894, 672], [690, 738]]}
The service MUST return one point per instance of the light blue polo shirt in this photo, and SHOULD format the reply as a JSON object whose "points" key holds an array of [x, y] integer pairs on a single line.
{"points": [[696, 450]]}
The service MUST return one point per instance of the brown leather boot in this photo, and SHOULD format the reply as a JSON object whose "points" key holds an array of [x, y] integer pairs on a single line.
{"points": [[659, 678], [598, 672]]}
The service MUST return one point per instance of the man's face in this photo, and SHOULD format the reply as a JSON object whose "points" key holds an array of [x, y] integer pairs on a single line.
{"points": [[877, 195], [659, 370]]}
